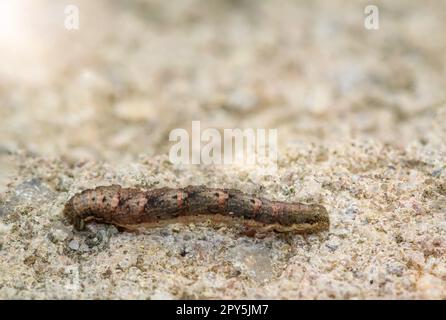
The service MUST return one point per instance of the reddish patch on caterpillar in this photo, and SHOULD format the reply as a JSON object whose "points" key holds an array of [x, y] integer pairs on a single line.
{"points": [[275, 209], [115, 201], [142, 204], [222, 198], [257, 206], [129, 207], [180, 200]]}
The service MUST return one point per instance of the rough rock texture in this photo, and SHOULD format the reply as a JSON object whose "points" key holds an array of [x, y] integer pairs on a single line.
{"points": [[361, 119]]}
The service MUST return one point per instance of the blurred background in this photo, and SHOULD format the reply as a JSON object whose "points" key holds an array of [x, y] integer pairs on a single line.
{"points": [[135, 70], [361, 124]]}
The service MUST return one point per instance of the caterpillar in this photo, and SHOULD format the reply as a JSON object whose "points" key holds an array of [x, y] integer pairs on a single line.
{"points": [[129, 208]]}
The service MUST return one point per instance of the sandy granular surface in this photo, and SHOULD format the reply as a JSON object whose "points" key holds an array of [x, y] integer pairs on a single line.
{"points": [[361, 119]]}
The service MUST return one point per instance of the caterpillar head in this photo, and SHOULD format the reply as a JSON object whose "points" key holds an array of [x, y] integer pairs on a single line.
{"points": [[73, 216]]}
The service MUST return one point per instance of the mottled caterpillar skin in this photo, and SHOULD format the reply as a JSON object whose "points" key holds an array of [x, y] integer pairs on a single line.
{"points": [[128, 207]]}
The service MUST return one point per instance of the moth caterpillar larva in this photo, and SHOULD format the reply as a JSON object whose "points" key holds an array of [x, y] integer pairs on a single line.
{"points": [[129, 207]]}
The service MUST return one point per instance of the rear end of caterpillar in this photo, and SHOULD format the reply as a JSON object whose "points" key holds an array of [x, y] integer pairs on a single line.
{"points": [[129, 207]]}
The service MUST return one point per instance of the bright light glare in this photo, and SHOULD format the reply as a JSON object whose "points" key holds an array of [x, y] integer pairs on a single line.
{"points": [[12, 23], [21, 55]]}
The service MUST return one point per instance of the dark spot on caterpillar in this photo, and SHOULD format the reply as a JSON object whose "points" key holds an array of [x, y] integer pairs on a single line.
{"points": [[126, 207]]}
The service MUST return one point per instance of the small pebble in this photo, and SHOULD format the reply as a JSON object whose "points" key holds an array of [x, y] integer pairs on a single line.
{"points": [[186, 237], [395, 269], [112, 230], [74, 245], [4, 228], [332, 245], [58, 235], [437, 172], [84, 248], [352, 210], [94, 239]]}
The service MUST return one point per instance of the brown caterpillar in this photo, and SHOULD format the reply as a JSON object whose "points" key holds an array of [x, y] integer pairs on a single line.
{"points": [[130, 208]]}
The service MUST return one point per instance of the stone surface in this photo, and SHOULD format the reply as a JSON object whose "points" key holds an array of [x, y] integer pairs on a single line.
{"points": [[361, 124]]}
